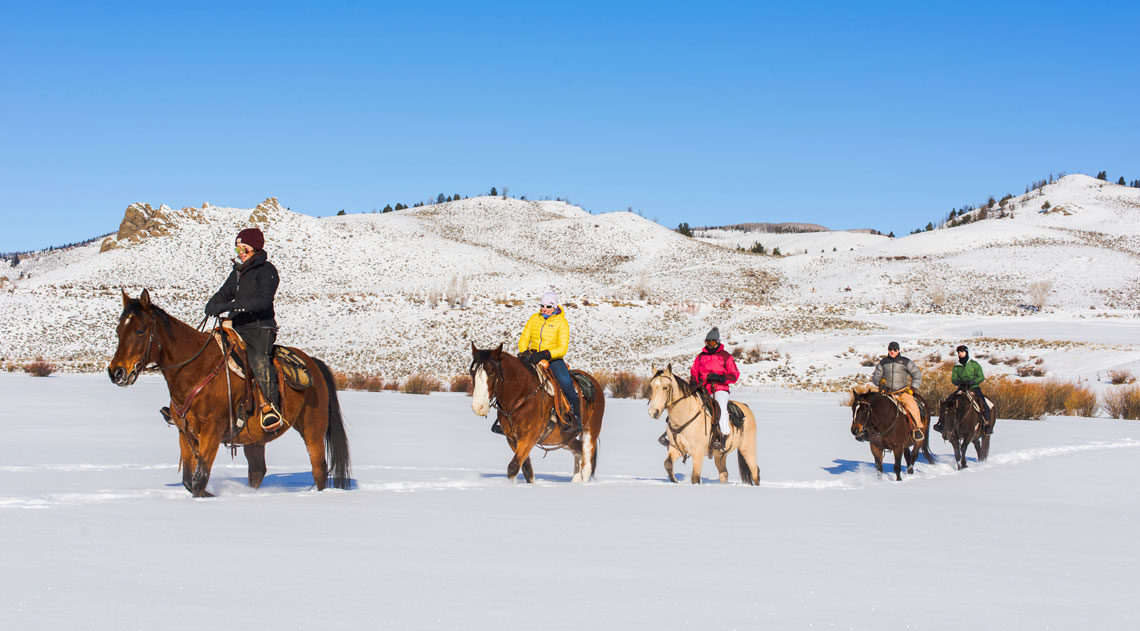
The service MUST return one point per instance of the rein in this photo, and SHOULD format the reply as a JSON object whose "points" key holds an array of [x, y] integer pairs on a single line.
{"points": [[696, 415], [871, 417]]}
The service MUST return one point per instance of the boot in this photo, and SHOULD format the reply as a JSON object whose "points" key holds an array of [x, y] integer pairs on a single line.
{"points": [[938, 426], [271, 420], [917, 435], [988, 424], [716, 441], [165, 412], [663, 439], [576, 416], [496, 428]]}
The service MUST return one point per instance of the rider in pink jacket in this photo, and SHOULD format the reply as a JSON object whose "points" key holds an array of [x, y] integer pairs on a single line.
{"points": [[715, 369]]}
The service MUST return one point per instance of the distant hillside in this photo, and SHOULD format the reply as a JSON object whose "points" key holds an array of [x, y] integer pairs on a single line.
{"points": [[772, 227]]}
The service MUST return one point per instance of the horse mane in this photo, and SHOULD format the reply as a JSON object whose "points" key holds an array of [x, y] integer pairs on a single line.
{"points": [[135, 308]]}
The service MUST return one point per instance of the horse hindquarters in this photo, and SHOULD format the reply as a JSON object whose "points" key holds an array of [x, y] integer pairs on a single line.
{"points": [[746, 450]]}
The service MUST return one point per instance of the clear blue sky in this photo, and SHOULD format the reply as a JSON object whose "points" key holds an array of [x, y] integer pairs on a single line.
{"points": [[849, 114]]}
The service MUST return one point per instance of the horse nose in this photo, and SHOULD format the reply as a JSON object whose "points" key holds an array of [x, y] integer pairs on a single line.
{"points": [[116, 374]]}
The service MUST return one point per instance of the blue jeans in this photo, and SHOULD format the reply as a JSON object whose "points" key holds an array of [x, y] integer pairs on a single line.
{"points": [[562, 374]]}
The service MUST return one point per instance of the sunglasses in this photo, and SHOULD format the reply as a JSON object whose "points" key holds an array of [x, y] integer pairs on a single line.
{"points": [[241, 249], [547, 306]]}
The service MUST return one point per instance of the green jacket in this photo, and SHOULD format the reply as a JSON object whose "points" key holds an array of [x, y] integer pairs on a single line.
{"points": [[969, 375]]}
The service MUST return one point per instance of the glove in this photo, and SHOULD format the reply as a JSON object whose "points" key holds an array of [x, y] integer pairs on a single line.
{"points": [[216, 309], [525, 355], [715, 377], [540, 355]]}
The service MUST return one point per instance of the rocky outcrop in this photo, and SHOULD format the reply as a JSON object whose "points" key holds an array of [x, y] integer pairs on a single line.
{"points": [[141, 221], [265, 210]]}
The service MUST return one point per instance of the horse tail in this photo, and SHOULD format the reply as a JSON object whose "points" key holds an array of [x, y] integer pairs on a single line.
{"points": [[745, 470], [336, 439]]}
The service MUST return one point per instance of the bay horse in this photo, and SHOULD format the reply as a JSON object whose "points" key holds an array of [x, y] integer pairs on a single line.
{"points": [[525, 412], [962, 425], [202, 400], [875, 418], [690, 429]]}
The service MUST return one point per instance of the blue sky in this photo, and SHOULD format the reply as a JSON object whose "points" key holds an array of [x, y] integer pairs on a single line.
{"points": [[882, 115]]}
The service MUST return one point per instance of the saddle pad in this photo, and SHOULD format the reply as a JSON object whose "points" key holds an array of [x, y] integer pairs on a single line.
{"points": [[292, 367], [735, 414], [584, 383]]}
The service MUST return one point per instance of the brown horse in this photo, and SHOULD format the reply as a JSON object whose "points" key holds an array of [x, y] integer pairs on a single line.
{"points": [[876, 419], [962, 425], [689, 429], [526, 412], [202, 400]]}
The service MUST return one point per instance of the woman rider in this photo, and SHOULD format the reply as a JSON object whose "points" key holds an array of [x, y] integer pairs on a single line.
{"points": [[715, 369], [547, 336]]}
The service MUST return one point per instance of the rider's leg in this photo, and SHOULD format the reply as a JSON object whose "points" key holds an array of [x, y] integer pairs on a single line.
{"points": [[911, 407], [259, 345], [562, 375], [721, 397], [987, 416]]}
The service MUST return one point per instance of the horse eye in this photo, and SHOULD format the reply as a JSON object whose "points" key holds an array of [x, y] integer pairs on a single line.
{"points": [[140, 331]]}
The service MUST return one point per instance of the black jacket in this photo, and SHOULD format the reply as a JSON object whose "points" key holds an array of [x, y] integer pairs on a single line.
{"points": [[248, 294]]}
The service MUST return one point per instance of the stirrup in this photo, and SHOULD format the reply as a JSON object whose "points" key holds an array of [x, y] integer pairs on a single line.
{"points": [[271, 420], [165, 412], [496, 428], [937, 427], [917, 435], [663, 439]]}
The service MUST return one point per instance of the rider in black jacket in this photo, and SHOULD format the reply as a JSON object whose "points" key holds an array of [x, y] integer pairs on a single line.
{"points": [[248, 296]]}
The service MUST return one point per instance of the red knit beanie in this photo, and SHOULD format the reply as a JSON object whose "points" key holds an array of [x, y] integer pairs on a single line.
{"points": [[252, 237]]}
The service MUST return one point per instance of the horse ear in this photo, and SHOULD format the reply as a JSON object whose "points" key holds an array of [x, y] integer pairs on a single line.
{"points": [[653, 369], [144, 300], [126, 298], [669, 367], [497, 354]]}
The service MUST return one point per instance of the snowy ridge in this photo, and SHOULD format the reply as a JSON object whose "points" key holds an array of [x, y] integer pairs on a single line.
{"points": [[370, 292]]}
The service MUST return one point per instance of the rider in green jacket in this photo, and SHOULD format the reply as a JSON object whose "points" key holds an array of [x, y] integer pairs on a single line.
{"points": [[967, 375]]}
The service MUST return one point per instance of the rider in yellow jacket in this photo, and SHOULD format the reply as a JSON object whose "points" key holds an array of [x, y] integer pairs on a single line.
{"points": [[547, 336]]}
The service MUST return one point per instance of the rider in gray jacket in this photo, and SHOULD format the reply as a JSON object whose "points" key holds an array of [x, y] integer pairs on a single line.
{"points": [[898, 371]]}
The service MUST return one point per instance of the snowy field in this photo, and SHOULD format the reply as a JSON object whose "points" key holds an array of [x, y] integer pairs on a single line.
{"points": [[98, 533]]}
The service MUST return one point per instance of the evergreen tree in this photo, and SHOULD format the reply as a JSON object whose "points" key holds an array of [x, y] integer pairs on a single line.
{"points": [[776, 252], [340, 212], [15, 260], [684, 229], [439, 199], [757, 248], [494, 191], [929, 227], [891, 234], [1120, 181], [1102, 175], [455, 197], [387, 208]]}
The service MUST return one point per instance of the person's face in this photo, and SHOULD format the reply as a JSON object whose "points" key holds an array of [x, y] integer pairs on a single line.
{"points": [[546, 309], [243, 251], [893, 353], [712, 343], [961, 354]]}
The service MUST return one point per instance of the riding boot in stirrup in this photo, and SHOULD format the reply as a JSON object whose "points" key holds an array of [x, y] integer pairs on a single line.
{"points": [[917, 435], [270, 418], [663, 439], [496, 428], [576, 417], [937, 426], [716, 441]]}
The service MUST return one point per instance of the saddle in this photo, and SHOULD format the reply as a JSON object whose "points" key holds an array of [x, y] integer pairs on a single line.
{"points": [[289, 365], [735, 414], [582, 384], [976, 403]]}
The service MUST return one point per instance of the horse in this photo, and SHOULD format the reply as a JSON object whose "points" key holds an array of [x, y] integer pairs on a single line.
{"points": [[526, 415], [875, 418], [962, 425], [202, 401], [690, 428]]}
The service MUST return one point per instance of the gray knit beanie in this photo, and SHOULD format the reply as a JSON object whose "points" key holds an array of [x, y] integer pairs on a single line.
{"points": [[714, 334]]}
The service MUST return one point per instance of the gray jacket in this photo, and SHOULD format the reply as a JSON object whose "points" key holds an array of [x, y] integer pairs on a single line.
{"points": [[897, 372]]}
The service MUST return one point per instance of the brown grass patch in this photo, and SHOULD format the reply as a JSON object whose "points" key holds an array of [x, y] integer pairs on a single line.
{"points": [[1120, 377], [1069, 399], [626, 385], [1123, 402], [462, 383], [936, 384], [1029, 370], [39, 368], [421, 384], [1016, 399]]}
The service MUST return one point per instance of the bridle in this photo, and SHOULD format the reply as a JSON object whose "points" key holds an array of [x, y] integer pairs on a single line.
{"points": [[148, 365], [506, 414], [669, 404], [869, 427]]}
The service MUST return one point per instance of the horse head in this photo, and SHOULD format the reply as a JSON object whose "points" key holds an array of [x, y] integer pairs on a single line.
{"points": [[137, 331], [661, 387], [951, 409], [486, 372], [861, 409]]}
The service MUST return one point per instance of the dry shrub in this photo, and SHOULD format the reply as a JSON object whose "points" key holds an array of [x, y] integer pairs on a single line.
{"points": [[626, 385], [868, 360], [1119, 377], [39, 368], [340, 380], [1015, 398], [1123, 402], [605, 378], [738, 352], [1070, 399], [936, 384], [759, 354], [1029, 370], [1011, 361], [392, 385], [421, 384], [462, 383]]}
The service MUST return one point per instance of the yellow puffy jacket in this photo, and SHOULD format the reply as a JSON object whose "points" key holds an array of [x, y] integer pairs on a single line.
{"points": [[546, 334]]}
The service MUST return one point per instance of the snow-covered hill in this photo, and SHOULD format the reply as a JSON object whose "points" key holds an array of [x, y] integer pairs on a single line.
{"points": [[404, 292]]}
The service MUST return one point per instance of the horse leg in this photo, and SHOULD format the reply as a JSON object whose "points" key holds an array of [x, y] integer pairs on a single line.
{"points": [[522, 454], [255, 456], [186, 461], [898, 463], [589, 443], [670, 456], [207, 451], [960, 447], [877, 452], [528, 470], [911, 457], [984, 452], [721, 465], [315, 445], [698, 464]]}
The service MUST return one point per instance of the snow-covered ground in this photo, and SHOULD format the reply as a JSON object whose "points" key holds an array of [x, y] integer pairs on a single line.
{"points": [[97, 532]]}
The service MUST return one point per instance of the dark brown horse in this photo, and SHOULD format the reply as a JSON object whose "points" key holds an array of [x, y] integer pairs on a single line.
{"points": [[502, 381], [202, 401], [962, 425], [876, 419]]}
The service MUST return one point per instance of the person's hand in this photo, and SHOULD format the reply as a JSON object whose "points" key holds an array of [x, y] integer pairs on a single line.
{"points": [[541, 355], [715, 377], [525, 355], [215, 309]]}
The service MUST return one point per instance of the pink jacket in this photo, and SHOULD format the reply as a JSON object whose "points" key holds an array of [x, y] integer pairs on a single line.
{"points": [[718, 361]]}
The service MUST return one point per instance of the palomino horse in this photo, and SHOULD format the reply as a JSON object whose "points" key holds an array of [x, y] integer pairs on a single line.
{"points": [[690, 428], [962, 425], [876, 418], [202, 400], [525, 412]]}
